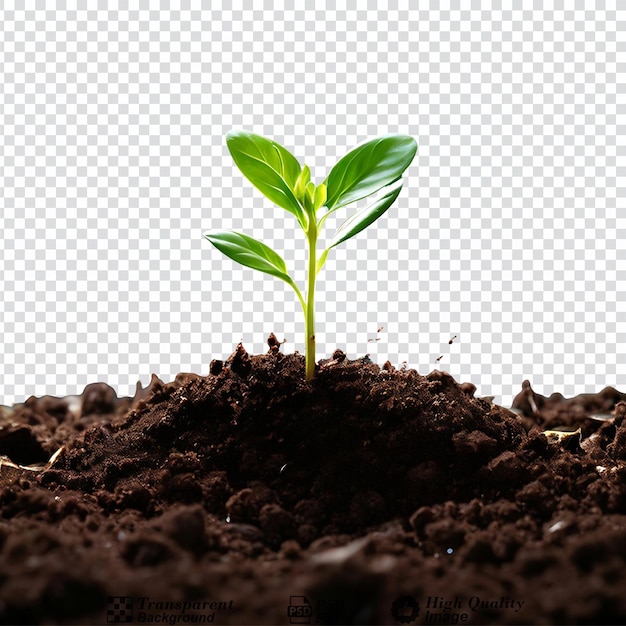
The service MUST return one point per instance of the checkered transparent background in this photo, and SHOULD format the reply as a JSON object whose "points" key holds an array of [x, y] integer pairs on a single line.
{"points": [[509, 232]]}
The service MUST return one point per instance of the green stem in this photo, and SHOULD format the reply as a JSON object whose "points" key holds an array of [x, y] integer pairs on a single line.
{"points": [[309, 319]]}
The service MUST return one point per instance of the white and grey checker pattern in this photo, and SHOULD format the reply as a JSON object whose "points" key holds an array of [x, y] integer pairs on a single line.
{"points": [[509, 232]]}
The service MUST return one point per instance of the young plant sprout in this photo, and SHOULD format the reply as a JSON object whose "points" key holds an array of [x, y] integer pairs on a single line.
{"points": [[373, 169]]}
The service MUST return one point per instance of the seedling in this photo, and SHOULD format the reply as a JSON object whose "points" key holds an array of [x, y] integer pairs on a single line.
{"points": [[373, 169]]}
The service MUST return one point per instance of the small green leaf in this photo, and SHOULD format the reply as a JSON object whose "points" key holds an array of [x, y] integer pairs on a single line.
{"points": [[368, 168], [320, 262], [320, 195], [250, 252], [301, 183], [367, 215], [309, 196], [272, 169]]}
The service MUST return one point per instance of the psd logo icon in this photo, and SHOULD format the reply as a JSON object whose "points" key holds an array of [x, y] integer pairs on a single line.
{"points": [[299, 610], [119, 610]]}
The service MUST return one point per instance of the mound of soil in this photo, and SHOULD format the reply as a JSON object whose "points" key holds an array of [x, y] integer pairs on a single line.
{"points": [[368, 495]]}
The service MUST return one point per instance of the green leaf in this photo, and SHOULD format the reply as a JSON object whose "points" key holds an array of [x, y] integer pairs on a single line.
{"points": [[301, 182], [320, 262], [272, 169], [320, 195], [368, 168], [250, 252], [309, 196], [367, 215]]}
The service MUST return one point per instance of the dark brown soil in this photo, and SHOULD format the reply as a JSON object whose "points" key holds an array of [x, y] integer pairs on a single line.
{"points": [[368, 496]]}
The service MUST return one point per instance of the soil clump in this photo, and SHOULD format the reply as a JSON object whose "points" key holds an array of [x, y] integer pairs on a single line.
{"points": [[368, 495]]}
